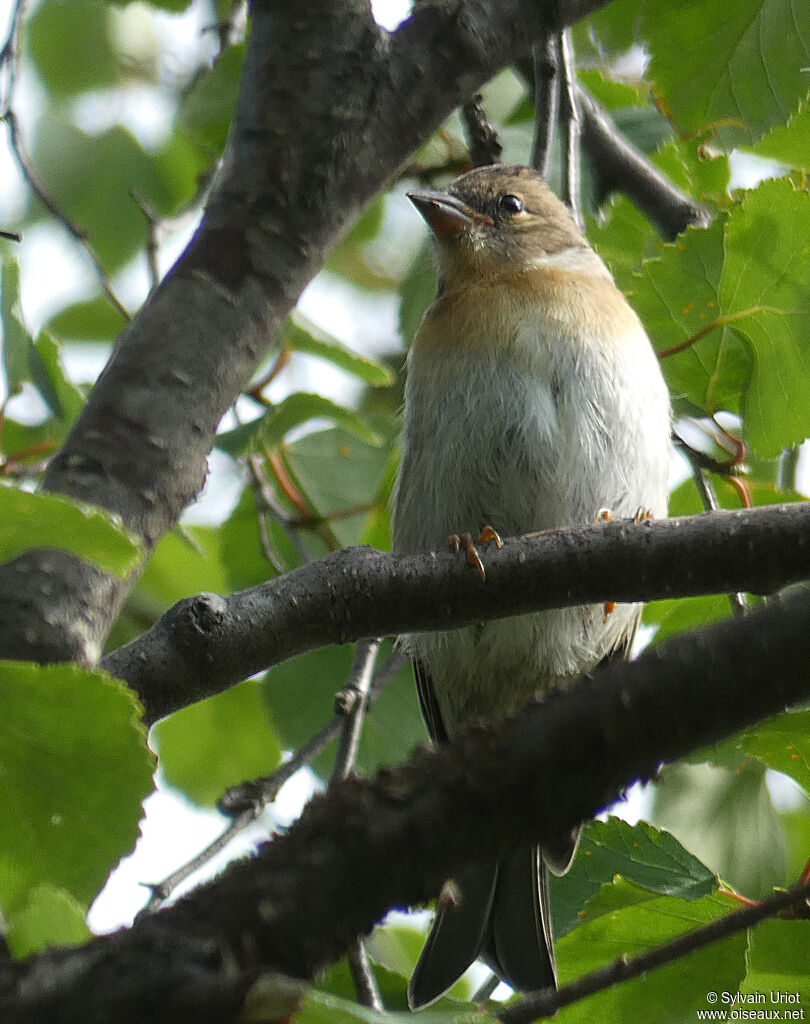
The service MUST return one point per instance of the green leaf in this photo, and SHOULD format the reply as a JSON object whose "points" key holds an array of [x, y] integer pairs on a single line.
{"points": [[392, 729], [292, 412], [94, 320], [217, 743], [610, 92], [637, 924], [622, 238], [17, 342], [207, 108], [645, 127], [783, 743], [726, 818], [677, 616], [28, 444], [75, 768], [749, 275], [92, 178], [416, 292], [789, 143], [58, 31], [695, 169], [61, 394], [29, 521], [641, 853], [49, 917], [778, 963], [243, 556], [767, 268], [175, 6], [301, 335], [609, 31], [340, 473], [324, 1008], [730, 69]]}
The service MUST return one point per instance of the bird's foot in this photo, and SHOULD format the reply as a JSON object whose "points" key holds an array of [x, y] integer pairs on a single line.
{"points": [[605, 515], [465, 543], [643, 515]]}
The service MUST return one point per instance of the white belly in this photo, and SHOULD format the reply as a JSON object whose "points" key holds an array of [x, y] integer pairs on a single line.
{"points": [[534, 436]]}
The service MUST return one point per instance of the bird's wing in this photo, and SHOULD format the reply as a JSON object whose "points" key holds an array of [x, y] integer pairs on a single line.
{"points": [[429, 704]]}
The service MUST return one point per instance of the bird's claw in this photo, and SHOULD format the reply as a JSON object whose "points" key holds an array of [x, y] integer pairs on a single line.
{"points": [[605, 515], [465, 543]]}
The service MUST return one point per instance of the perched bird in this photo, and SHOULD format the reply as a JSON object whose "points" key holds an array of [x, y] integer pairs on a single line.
{"points": [[533, 401]]}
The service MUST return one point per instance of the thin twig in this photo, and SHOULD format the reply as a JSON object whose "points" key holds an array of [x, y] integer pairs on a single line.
{"points": [[161, 891], [365, 984], [37, 186], [11, 236], [620, 167], [153, 231], [482, 139], [244, 803], [546, 59], [9, 59], [547, 1003], [352, 703], [486, 990], [569, 118], [739, 603], [268, 507]]}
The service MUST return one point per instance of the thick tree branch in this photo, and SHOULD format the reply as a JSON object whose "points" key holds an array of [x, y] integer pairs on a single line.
{"points": [[207, 643], [620, 167], [301, 168], [556, 763]]}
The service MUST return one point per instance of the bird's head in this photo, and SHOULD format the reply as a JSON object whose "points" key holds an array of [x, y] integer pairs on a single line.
{"points": [[497, 219]]}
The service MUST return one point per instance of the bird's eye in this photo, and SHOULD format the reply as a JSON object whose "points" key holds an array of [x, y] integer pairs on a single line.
{"points": [[509, 204]]}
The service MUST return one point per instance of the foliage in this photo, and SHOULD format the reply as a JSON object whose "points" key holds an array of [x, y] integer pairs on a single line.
{"points": [[729, 302]]}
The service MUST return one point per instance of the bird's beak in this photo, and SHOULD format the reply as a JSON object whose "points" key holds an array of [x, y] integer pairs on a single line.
{"points": [[446, 216]]}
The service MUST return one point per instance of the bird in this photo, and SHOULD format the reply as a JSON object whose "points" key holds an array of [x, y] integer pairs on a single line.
{"points": [[533, 401]]}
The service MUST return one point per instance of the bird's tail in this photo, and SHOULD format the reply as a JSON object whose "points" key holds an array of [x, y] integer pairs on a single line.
{"points": [[504, 917]]}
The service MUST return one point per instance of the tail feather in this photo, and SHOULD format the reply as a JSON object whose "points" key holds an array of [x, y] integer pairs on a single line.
{"points": [[503, 917], [456, 938], [520, 945]]}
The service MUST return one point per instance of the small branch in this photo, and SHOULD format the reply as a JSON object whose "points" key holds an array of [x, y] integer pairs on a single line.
{"points": [[207, 643], [352, 704], [546, 1004], [739, 604], [161, 891], [153, 228], [11, 236], [569, 118], [244, 803], [623, 168], [365, 984], [546, 65], [482, 139]]}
